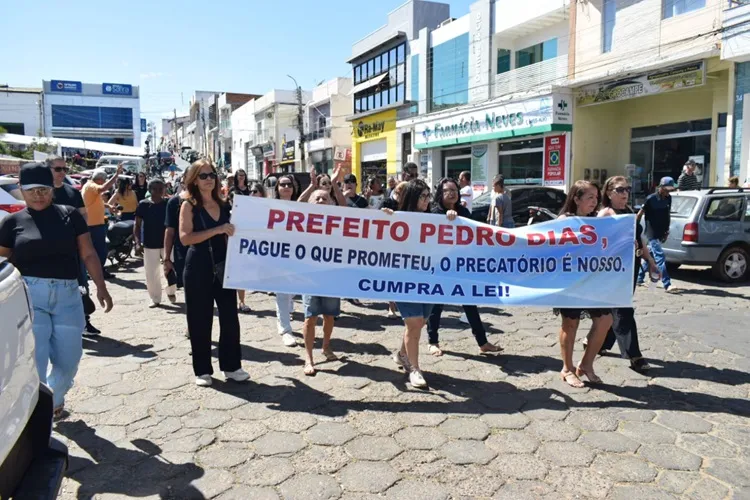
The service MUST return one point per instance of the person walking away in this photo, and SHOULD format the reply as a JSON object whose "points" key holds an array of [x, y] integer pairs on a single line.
{"points": [[124, 197], [255, 189], [286, 189], [467, 193], [353, 200], [501, 208], [94, 202], [657, 209], [615, 196], [204, 228], [174, 250], [150, 217], [734, 182], [446, 202], [582, 201], [688, 180], [328, 307], [45, 242], [140, 188], [415, 198]]}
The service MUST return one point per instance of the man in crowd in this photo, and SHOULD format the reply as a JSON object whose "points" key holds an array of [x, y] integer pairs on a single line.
{"points": [[467, 194], [687, 180], [151, 215], [65, 194], [350, 193], [734, 182], [391, 186], [174, 252], [92, 199], [656, 209]]}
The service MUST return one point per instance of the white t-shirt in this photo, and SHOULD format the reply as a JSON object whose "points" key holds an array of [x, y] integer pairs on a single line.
{"points": [[467, 197]]}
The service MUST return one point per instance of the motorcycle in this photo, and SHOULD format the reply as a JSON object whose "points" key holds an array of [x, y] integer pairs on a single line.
{"points": [[540, 214], [120, 241]]}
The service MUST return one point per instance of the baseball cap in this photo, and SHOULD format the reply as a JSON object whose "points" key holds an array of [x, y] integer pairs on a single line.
{"points": [[667, 182], [350, 178], [34, 175]]}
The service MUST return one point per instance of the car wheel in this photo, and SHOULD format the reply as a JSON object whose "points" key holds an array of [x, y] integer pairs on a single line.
{"points": [[732, 265]]}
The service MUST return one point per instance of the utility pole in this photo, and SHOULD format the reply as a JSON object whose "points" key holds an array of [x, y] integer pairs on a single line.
{"points": [[174, 128], [300, 125]]}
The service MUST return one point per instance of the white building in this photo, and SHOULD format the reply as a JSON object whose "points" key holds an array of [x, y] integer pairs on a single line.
{"points": [[21, 110], [101, 112], [195, 135], [228, 103], [326, 128], [261, 132]]}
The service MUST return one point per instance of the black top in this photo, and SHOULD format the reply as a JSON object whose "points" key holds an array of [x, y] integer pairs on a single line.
{"points": [[235, 190], [153, 216], [357, 202], [390, 203], [140, 192], [460, 209], [44, 243], [172, 217], [202, 221], [68, 195], [657, 209], [687, 182]]}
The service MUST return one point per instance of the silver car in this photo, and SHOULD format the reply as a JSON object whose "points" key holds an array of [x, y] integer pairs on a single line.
{"points": [[711, 227]]}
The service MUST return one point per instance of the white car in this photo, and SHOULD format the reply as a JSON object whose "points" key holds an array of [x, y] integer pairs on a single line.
{"points": [[32, 462], [11, 199], [133, 164]]}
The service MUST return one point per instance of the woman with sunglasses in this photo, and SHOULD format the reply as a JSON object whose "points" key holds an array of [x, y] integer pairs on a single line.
{"points": [[125, 197], [254, 189], [140, 187], [204, 228], [582, 201], [415, 198], [447, 201], [615, 196], [45, 242], [286, 189], [239, 186], [324, 182]]}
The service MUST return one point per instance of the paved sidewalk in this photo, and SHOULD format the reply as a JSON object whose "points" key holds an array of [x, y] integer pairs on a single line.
{"points": [[490, 427]]}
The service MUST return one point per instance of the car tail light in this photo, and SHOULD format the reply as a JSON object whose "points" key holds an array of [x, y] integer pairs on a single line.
{"points": [[12, 208], [690, 233]]}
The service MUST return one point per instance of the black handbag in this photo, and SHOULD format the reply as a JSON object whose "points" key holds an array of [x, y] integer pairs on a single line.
{"points": [[88, 305], [218, 267]]}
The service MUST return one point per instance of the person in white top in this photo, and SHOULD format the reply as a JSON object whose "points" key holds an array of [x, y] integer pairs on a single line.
{"points": [[467, 193]]}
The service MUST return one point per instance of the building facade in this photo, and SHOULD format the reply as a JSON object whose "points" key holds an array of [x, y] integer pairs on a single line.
{"points": [[735, 49], [228, 102], [101, 112], [326, 129], [21, 110]]}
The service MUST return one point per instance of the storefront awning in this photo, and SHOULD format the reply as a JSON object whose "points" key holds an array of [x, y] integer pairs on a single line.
{"points": [[369, 83]]}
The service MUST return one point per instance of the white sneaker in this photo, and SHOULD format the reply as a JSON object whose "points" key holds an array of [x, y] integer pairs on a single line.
{"points": [[153, 305], [463, 318], [401, 360], [417, 380], [203, 381], [289, 340], [237, 375]]}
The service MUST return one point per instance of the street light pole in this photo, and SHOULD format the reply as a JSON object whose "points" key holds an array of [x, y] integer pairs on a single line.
{"points": [[300, 124]]}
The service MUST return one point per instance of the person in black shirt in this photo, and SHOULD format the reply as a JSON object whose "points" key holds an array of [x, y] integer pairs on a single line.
{"points": [[149, 222], [140, 187], [174, 251], [350, 193], [239, 186], [657, 209], [45, 242]]}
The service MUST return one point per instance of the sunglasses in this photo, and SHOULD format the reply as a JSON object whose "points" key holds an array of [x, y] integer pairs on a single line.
{"points": [[622, 189], [61, 169], [285, 184], [254, 191], [209, 175], [39, 191], [350, 182]]}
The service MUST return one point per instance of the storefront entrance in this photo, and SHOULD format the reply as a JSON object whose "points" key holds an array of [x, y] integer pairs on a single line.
{"points": [[373, 169], [456, 161], [522, 162], [662, 150]]}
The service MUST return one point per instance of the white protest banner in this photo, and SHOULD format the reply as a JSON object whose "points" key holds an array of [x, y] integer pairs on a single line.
{"points": [[332, 251]]}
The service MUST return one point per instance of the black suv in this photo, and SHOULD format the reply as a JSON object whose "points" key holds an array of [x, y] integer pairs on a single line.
{"points": [[522, 197]]}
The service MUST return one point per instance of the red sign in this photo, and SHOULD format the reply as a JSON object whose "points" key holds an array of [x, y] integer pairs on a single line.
{"points": [[554, 160]]}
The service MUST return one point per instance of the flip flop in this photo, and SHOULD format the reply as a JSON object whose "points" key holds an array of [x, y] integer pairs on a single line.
{"points": [[435, 350], [571, 379], [309, 370], [329, 355]]}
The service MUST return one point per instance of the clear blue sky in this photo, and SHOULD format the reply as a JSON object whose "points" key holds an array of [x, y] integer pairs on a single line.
{"points": [[169, 47]]}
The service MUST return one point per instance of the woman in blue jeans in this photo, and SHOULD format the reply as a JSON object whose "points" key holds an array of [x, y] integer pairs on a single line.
{"points": [[45, 242]]}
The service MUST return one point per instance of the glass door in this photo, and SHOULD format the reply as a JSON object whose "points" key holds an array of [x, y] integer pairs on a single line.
{"points": [[457, 164], [642, 156]]}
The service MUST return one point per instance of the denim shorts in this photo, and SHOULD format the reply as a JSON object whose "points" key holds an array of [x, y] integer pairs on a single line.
{"points": [[414, 310], [321, 306]]}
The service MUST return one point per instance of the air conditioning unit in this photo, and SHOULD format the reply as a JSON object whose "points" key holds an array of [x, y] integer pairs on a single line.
{"points": [[269, 114], [447, 21]]}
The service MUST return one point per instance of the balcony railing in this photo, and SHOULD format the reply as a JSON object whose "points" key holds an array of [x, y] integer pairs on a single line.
{"points": [[319, 134], [533, 77]]}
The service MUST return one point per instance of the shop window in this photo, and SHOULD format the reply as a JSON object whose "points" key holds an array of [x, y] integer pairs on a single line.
{"points": [[13, 128], [357, 74], [536, 53], [415, 83], [400, 93], [400, 54], [673, 128], [503, 61], [521, 162], [725, 209], [674, 8], [92, 117], [377, 66], [609, 11], [449, 66]]}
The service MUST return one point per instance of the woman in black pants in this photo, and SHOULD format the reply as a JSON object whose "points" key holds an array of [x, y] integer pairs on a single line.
{"points": [[446, 201], [204, 228], [615, 195]]}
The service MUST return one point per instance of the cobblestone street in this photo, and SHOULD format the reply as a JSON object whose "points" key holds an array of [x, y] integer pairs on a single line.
{"points": [[490, 426]]}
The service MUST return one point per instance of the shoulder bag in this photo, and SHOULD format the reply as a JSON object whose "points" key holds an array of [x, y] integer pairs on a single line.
{"points": [[218, 267]]}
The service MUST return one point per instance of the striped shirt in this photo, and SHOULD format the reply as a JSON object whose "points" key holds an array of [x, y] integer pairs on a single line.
{"points": [[688, 182]]}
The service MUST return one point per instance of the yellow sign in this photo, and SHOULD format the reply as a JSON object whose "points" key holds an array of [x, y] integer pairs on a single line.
{"points": [[374, 126]]}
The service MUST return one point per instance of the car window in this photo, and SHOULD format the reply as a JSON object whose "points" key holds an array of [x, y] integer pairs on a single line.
{"points": [[682, 206], [481, 200], [725, 208], [747, 209], [13, 190]]}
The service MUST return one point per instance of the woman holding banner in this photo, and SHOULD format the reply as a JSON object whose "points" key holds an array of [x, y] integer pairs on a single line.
{"points": [[204, 228], [286, 189], [615, 195], [582, 201], [446, 200]]}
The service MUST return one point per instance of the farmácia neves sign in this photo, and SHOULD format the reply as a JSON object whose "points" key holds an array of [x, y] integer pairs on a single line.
{"points": [[471, 126]]}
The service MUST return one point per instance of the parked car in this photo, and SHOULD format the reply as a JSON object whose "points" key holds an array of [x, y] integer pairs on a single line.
{"points": [[711, 227], [523, 197], [32, 462], [11, 199], [133, 164], [164, 157]]}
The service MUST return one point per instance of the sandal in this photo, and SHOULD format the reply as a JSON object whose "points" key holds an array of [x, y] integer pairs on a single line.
{"points": [[309, 370], [571, 379], [435, 350], [244, 308], [593, 378], [58, 413], [639, 365], [329, 355], [486, 348]]}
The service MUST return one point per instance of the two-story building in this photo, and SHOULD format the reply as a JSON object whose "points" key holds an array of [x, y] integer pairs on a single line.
{"points": [[228, 102], [328, 134]]}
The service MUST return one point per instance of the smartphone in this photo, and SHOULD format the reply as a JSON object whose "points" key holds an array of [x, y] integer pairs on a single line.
{"points": [[171, 277]]}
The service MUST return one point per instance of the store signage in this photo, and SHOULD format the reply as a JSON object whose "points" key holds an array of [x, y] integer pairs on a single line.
{"points": [[65, 86], [370, 130], [554, 160], [287, 153], [268, 150], [143, 124], [681, 77], [479, 169], [257, 151], [117, 89], [342, 154]]}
